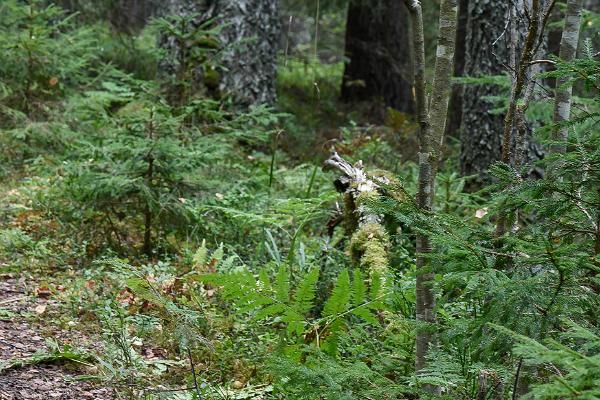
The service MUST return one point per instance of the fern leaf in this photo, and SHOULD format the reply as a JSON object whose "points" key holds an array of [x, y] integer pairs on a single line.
{"points": [[340, 296], [200, 256], [359, 289], [263, 278], [144, 290], [282, 285], [295, 322], [269, 311], [365, 313], [376, 290], [305, 294]]}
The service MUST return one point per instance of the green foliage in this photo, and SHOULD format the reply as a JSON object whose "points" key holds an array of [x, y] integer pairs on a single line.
{"points": [[247, 272], [295, 308], [45, 54], [569, 368], [324, 378]]}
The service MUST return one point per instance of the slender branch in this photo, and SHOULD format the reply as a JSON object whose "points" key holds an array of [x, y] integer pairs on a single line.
{"points": [[196, 387], [542, 62], [432, 116], [545, 19], [517, 376], [526, 56], [517, 89]]}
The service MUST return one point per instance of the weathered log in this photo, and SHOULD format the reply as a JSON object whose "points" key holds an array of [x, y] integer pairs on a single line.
{"points": [[369, 241]]}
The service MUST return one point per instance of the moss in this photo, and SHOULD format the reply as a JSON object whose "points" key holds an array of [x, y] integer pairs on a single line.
{"points": [[212, 78], [394, 188], [365, 197], [369, 247], [350, 222]]}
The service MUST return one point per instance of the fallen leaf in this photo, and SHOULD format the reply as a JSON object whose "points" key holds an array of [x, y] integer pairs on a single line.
{"points": [[40, 309], [237, 385], [44, 292], [482, 212]]}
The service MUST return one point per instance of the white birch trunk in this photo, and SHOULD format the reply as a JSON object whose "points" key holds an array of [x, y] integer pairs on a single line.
{"points": [[567, 52]]}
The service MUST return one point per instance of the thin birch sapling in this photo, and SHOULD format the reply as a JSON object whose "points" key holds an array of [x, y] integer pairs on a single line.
{"points": [[432, 113]]}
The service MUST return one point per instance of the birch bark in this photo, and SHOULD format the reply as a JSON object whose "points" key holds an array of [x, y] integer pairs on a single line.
{"points": [[567, 52]]}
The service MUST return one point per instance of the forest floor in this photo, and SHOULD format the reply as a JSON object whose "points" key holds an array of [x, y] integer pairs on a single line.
{"points": [[32, 364]]}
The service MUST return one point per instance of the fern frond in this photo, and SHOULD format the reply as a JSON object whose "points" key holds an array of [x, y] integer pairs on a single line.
{"points": [[340, 296], [305, 294]]}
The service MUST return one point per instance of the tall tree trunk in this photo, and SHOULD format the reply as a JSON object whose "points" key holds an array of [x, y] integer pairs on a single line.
{"points": [[127, 16], [495, 34], [568, 50], [378, 52], [456, 99], [248, 40], [432, 115], [487, 53], [131, 15]]}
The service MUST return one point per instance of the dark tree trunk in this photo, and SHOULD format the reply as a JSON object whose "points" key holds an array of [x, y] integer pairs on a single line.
{"points": [[248, 42], [456, 98], [131, 15], [481, 134], [490, 28], [126, 16], [378, 52]]}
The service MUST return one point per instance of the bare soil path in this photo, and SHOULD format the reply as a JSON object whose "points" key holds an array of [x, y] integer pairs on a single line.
{"points": [[25, 329]]}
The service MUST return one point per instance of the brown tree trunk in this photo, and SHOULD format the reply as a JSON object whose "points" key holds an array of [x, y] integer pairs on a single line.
{"points": [[378, 53]]}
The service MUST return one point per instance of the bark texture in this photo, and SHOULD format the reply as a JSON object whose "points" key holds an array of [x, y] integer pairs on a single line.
{"points": [[456, 99], [378, 50], [487, 53], [520, 80], [496, 35], [432, 115], [248, 41], [521, 92], [568, 50]]}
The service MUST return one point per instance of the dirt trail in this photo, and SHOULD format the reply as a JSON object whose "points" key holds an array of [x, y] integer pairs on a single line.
{"points": [[21, 337]]}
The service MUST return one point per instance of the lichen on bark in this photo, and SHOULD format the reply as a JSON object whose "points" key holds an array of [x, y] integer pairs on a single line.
{"points": [[369, 247], [369, 241]]}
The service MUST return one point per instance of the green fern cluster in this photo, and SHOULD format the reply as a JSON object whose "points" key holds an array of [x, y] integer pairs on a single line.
{"points": [[275, 300]]}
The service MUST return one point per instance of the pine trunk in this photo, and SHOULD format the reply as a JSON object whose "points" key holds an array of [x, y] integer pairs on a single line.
{"points": [[456, 99], [378, 53], [248, 41], [481, 132]]}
